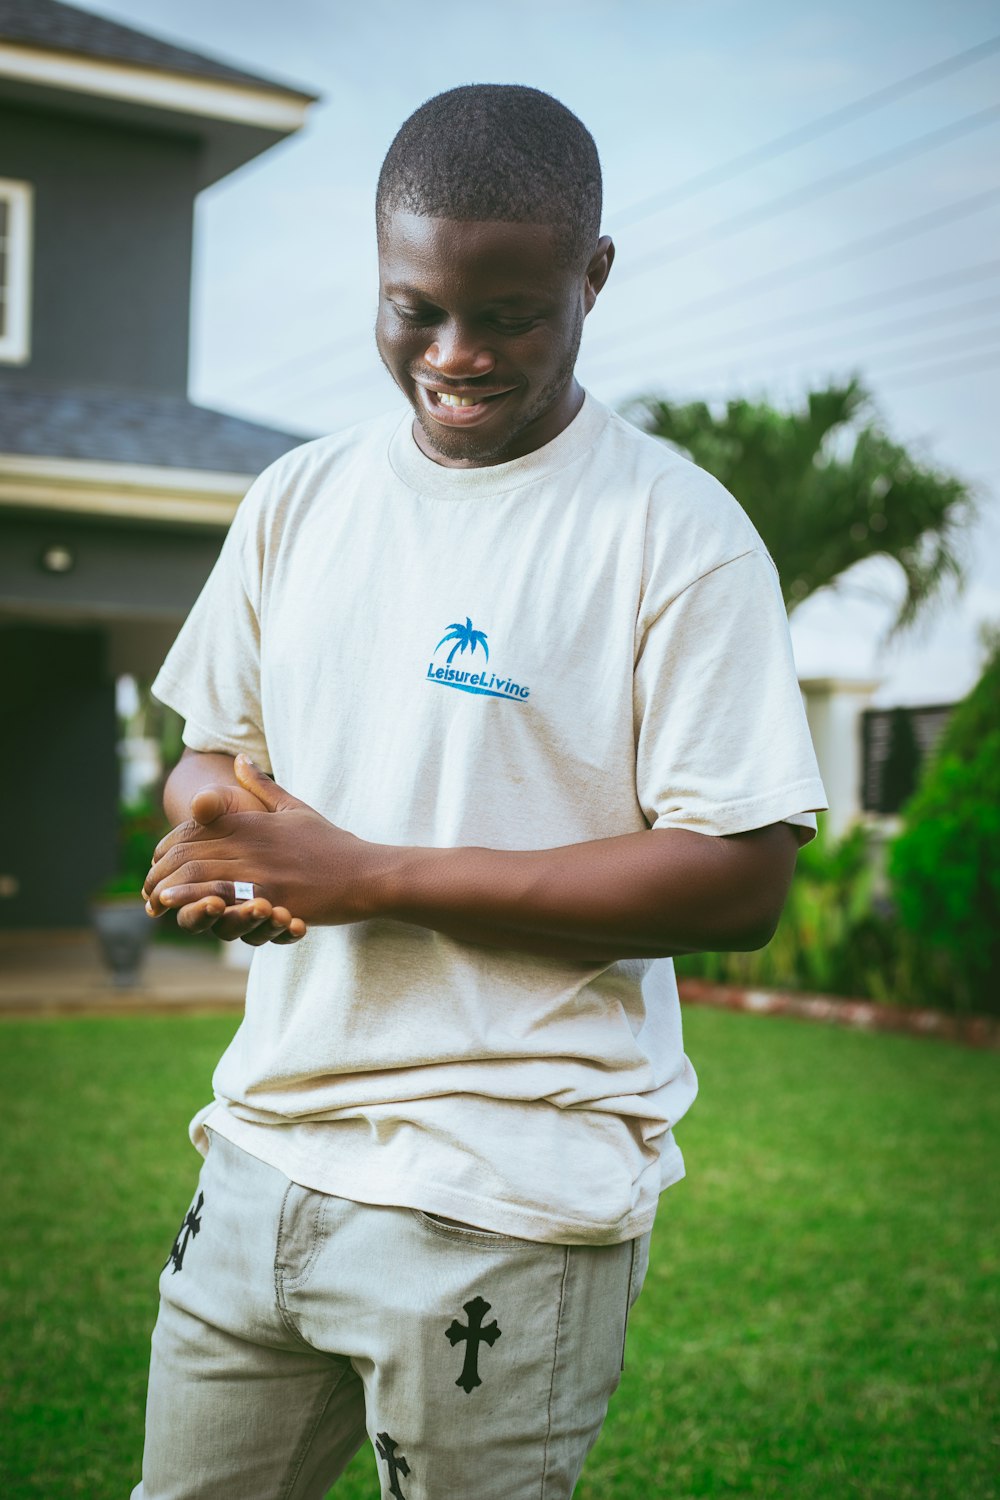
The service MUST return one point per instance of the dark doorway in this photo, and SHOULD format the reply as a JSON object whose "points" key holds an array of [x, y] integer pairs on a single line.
{"points": [[58, 774]]}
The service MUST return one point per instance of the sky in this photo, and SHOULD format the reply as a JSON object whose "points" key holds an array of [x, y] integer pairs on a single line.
{"points": [[710, 278]]}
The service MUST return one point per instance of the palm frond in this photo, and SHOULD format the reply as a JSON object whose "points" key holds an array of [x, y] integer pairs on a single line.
{"points": [[827, 488]]}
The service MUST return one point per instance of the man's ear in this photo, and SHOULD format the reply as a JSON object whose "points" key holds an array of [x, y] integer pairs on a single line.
{"points": [[598, 271]]}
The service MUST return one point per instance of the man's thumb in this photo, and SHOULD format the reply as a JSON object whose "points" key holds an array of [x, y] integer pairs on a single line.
{"points": [[274, 797], [210, 803]]}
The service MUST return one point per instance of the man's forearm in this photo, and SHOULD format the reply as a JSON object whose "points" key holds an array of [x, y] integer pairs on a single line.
{"points": [[648, 894]]}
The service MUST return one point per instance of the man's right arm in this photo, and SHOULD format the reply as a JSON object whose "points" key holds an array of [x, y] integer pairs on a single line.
{"points": [[202, 787]]}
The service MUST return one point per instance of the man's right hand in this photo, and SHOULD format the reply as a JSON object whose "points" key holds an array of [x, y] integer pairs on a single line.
{"points": [[256, 922]]}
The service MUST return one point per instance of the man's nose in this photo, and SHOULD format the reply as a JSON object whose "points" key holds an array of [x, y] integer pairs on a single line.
{"points": [[457, 353]]}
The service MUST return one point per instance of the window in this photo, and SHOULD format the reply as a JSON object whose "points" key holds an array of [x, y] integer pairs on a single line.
{"points": [[895, 744], [15, 270]]}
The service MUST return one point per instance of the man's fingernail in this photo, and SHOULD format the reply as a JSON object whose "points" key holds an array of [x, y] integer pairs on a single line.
{"points": [[166, 896]]}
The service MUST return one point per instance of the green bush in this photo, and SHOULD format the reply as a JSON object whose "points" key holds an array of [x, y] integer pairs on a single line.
{"points": [[140, 827], [837, 936], [814, 947], [945, 869], [937, 941]]}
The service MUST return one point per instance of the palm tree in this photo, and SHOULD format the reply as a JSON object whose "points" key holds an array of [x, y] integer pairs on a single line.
{"points": [[826, 488], [464, 636]]}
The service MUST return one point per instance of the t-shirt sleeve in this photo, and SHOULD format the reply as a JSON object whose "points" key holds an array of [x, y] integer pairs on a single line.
{"points": [[211, 675], [722, 740]]}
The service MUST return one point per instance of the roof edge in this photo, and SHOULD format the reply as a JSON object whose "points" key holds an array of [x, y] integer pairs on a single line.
{"points": [[139, 492], [267, 107]]}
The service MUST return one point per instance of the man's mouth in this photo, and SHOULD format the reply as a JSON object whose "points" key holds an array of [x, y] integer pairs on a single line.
{"points": [[459, 408]]}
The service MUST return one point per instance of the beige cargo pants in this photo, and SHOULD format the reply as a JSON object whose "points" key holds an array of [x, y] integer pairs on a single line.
{"points": [[292, 1322]]}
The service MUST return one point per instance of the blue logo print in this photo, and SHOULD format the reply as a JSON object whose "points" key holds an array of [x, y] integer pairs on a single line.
{"points": [[466, 638], [464, 635]]}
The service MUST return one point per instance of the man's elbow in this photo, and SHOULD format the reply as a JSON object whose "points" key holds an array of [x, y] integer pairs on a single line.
{"points": [[756, 934], [751, 920]]}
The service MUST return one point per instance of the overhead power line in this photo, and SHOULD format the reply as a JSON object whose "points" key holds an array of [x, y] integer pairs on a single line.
{"points": [[781, 363], [821, 126], [990, 336], [943, 371], [900, 362], [846, 177], [852, 307], [328, 354], [889, 332], [927, 374], [799, 269]]}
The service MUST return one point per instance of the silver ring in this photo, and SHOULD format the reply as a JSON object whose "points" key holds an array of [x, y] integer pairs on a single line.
{"points": [[243, 890]]}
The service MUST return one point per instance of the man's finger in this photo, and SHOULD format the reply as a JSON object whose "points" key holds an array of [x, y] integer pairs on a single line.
{"points": [[273, 796], [239, 921], [283, 928], [201, 916], [179, 897], [171, 892]]}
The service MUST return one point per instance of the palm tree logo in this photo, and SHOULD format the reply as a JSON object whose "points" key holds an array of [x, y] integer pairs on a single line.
{"points": [[464, 637]]}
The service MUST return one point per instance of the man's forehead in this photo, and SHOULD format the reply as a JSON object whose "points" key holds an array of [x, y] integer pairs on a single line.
{"points": [[503, 258], [402, 230]]}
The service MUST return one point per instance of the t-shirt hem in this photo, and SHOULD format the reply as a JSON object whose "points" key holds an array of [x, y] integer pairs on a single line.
{"points": [[198, 736], [746, 813], [361, 1184]]}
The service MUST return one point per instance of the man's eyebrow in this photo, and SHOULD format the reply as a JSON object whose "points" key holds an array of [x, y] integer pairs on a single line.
{"points": [[400, 289], [516, 299], [531, 300]]}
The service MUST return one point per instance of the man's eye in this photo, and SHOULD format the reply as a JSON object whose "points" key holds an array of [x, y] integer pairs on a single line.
{"points": [[513, 325], [415, 314]]}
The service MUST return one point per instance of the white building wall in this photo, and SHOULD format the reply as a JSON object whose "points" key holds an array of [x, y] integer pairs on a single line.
{"points": [[834, 706]]}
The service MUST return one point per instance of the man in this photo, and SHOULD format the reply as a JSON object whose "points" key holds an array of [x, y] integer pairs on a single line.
{"points": [[522, 679]]}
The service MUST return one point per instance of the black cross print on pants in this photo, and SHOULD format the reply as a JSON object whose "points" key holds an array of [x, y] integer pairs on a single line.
{"points": [[473, 1334], [187, 1231], [387, 1450]]}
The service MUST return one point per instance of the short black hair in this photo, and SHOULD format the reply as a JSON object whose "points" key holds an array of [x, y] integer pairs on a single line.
{"points": [[496, 151]]}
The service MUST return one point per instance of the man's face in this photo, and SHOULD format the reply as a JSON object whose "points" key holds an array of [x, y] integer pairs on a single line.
{"points": [[479, 325]]}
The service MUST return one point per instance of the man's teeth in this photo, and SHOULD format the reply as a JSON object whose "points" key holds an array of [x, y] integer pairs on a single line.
{"points": [[447, 400]]}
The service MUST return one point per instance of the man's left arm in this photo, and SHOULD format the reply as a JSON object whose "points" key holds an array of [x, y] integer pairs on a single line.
{"points": [[647, 894], [639, 895]]}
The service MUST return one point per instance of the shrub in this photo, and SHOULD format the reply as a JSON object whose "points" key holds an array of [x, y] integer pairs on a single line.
{"points": [[838, 937], [944, 866]]}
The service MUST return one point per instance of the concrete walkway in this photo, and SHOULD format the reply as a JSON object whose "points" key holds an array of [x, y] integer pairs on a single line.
{"points": [[61, 973]]}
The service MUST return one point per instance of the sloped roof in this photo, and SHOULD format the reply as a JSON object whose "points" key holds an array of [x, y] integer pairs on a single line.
{"points": [[64, 28], [47, 421]]}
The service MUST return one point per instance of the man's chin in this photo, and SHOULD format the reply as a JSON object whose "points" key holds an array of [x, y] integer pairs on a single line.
{"points": [[458, 446]]}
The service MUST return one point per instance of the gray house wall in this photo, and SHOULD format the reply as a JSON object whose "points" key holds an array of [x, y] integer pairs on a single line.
{"points": [[116, 570], [64, 637], [111, 260], [105, 384]]}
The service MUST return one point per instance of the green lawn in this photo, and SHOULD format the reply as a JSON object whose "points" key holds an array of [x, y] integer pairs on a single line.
{"points": [[820, 1317]]}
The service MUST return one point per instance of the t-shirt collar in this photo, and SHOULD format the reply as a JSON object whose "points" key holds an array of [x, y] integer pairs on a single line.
{"points": [[421, 473]]}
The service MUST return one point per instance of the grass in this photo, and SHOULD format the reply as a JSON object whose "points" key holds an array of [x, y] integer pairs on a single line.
{"points": [[820, 1317]]}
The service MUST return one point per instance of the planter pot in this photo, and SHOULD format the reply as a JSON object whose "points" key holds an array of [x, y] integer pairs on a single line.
{"points": [[124, 933]]}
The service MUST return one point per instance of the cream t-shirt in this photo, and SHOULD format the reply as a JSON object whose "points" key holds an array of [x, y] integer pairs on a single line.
{"points": [[584, 642]]}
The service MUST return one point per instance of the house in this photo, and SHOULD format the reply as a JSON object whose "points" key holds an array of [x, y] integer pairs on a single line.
{"points": [[115, 489], [870, 759]]}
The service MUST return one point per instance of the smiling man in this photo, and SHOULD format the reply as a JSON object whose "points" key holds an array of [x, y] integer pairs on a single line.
{"points": [[498, 702]]}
